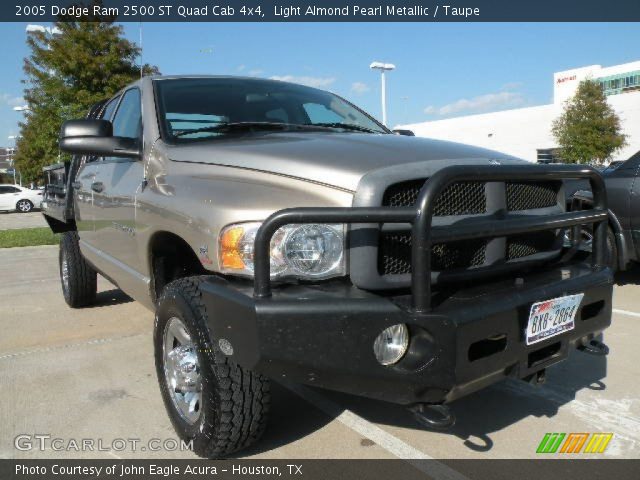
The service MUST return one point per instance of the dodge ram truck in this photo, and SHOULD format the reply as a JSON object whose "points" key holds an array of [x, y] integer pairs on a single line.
{"points": [[279, 232]]}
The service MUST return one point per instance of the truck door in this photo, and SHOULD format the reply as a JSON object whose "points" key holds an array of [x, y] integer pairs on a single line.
{"points": [[115, 185], [84, 191], [83, 199]]}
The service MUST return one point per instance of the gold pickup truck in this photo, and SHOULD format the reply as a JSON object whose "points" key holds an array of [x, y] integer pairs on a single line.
{"points": [[278, 231]]}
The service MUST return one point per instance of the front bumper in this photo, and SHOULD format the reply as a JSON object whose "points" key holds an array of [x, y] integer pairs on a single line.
{"points": [[323, 335]]}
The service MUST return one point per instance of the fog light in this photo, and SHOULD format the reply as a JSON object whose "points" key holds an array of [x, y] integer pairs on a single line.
{"points": [[391, 344]]}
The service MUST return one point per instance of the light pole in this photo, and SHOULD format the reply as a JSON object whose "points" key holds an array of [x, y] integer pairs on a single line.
{"points": [[10, 152], [383, 67]]}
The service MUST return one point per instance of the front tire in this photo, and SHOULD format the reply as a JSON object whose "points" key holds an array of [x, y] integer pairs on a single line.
{"points": [[79, 280], [24, 206], [211, 401]]}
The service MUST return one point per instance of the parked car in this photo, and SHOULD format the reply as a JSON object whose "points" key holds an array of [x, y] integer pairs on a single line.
{"points": [[623, 193], [612, 166], [15, 197], [280, 232]]}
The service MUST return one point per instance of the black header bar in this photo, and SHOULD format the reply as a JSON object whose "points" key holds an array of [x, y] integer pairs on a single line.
{"points": [[324, 10]]}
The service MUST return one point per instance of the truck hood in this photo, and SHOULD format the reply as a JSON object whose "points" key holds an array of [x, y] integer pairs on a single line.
{"points": [[336, 159]]}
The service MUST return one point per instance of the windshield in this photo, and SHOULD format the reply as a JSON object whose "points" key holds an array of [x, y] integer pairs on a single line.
{"points": [[198, 108]]}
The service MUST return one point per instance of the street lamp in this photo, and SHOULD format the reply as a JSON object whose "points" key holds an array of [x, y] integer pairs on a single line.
{"points": [[383, 67], [10, 152]]}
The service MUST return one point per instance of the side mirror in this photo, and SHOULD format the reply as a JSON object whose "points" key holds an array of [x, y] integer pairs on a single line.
{"points": [[95, 137], [406, 133]]}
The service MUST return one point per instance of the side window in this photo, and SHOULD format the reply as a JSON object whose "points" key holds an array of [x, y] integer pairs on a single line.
{"points": [[4, 190], [128, 119], [106, 114], [13, 190]]}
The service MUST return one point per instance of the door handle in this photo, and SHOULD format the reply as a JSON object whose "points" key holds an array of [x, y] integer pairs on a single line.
{"points": [[97, 186]]}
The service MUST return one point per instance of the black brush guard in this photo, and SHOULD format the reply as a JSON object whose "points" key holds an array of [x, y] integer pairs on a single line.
{"points": [[420, 217], [322, 334]]}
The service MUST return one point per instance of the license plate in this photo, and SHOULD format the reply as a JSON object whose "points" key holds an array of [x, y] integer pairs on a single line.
{"points": [[552, 317]]}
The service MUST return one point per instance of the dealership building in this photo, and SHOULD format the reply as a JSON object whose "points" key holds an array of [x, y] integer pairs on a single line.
{"points": [[526, 132]]}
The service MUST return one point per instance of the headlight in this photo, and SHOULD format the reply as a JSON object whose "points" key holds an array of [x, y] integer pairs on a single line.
{"points": [[302, 251]]}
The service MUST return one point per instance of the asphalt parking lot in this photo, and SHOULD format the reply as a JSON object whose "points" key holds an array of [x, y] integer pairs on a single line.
{"points": [[89, 374]]}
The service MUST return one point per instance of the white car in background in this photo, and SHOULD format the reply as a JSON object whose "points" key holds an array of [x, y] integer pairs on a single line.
{"points": [[15, 197]]}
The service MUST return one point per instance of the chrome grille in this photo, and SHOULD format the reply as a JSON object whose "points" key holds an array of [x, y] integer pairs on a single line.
{"points": [[465, 198]]}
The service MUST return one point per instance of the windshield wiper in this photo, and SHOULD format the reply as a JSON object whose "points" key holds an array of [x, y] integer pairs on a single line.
{"points": [[232, 126], [344, 126]]}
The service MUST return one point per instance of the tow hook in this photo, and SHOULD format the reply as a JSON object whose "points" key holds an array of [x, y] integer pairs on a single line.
{"points": [[594, 347], [435, 417], [538, 378]]}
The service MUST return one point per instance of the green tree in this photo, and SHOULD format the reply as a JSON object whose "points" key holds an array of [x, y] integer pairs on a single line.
{"points": [[67, 71], [589, 129]]}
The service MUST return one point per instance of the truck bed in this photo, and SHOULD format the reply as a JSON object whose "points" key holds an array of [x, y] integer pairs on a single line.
{"points": [[57, 204]]}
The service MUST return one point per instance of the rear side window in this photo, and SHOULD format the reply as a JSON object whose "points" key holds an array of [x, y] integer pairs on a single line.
{"points": [[128, 119]]}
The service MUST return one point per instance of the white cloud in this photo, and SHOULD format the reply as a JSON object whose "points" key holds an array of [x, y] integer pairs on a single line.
{"points": [[11, 100], [481, 103], [255, 72], [359, 88], [318, 82]]}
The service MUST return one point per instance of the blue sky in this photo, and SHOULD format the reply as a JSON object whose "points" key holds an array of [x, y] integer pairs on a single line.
{"points": [[443, 70]]}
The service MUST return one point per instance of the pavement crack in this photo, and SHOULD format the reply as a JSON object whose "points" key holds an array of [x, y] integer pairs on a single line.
{"points": [[97, 341]]}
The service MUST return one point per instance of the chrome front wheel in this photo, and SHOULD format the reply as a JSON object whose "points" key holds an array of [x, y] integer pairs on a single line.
{"points": [[182, 371], [64, 272], [211, 401]]}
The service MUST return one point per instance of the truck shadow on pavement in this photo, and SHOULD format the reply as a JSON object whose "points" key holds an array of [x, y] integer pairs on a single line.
{"points": [[511, 401], [630, 276], [291, 418], [107, 298], [478, 415]]}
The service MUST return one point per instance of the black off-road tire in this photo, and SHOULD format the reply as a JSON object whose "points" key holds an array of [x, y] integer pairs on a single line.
{"points": [[235, 401], [81, 283]]}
